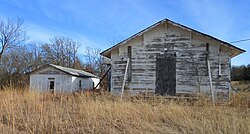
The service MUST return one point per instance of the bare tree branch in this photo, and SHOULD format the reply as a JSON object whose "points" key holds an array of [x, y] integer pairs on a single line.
{"points": [[61, 51], [11, 34]]}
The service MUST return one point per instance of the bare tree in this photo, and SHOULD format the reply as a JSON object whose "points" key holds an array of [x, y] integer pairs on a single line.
{"points": [[61, 51], [93, 60], [16, 63], [11, 34]]}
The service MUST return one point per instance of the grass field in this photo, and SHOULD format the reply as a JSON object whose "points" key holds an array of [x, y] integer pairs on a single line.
{"points": [[241, 85], [23, 112]]}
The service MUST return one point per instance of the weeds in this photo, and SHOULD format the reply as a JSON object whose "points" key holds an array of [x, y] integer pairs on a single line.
{"points": [[24, 112]]}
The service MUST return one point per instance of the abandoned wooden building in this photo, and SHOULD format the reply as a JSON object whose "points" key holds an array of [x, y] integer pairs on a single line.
{"points": [[168, 58], [54, 78]]}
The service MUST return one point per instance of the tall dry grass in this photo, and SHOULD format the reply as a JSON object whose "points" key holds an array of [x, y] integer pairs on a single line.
{"points": [[241, 85], [24, 112]]}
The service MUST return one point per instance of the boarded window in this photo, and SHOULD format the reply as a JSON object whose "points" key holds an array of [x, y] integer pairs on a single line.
{"points": [[221, 65], [129, 51], [207, 53], [207, 47], [130, 64]]}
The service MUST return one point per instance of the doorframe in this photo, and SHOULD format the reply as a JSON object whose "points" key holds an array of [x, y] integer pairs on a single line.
{"points": [[163, 56], [51, 80]]}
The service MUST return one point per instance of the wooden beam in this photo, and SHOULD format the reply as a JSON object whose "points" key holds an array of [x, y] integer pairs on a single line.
{"points": [[102, 78], [125, 77], [210, 81]]}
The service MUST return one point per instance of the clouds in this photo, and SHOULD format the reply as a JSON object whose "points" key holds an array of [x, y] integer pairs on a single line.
{"points": [[222, 19], [96, 23], [42, 34]]}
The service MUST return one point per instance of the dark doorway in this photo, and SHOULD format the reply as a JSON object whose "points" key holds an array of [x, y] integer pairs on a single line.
{"points": [[51, 85], [80, 85], [166, 74]]}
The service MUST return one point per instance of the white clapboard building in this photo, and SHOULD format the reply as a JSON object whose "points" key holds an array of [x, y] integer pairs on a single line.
{"points": [[54, 78], [168, 58]]}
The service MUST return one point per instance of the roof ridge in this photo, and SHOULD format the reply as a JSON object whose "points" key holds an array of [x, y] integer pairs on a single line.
{"points": [[165, 20], [76, 72]]}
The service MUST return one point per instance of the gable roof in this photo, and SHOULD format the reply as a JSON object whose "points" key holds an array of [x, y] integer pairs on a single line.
{"points": [[107, 51], [70, 71]]}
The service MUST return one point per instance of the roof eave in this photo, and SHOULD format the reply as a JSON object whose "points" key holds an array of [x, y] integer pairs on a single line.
{"points": [[107, 52], [73, 74], [208, 36]]}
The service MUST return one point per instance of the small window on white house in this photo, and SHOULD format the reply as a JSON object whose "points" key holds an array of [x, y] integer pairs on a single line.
{"points": [[80, 84], [51, 85]]}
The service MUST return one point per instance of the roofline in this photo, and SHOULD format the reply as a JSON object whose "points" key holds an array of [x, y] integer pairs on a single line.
{"points": [[204, 34], [35, 70], [70, 73], [174, 23], [134, 36], [51, 65]]}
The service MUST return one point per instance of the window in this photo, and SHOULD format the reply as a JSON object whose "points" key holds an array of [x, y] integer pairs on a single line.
{"points": [[51, 85], [220, 66], [129, 51], [130, 64], [207, 54], [207, 47], [80, 84]]}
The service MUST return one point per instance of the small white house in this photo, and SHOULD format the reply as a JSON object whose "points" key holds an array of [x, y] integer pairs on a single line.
{"points": [[54, 78]]}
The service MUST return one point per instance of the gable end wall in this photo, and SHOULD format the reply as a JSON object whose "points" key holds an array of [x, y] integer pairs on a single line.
{"points": [[190, 49]]}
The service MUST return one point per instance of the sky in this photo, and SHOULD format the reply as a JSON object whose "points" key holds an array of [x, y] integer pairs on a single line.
{"points": [[101, 23]]}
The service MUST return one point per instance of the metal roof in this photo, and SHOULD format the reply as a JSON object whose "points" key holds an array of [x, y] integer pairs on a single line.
{"points": [[105, 52], [73, 72]]}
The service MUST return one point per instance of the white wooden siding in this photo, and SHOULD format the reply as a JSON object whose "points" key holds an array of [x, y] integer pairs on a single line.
{"points": [[39, 81], [190, 48]]}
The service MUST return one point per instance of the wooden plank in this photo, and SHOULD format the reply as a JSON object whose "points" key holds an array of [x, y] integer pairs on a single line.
{"points": [[210, 81], [143, 60], [125, 77]]}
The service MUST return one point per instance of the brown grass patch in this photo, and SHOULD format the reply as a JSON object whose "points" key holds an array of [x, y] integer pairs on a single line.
{"points": [[23, 112]]}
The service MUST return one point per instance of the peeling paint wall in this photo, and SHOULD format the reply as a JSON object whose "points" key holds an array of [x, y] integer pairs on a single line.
{"points": [[191, 61]]}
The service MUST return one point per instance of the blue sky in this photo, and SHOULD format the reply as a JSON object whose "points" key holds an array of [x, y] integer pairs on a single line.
{"points": [[98, 23]]}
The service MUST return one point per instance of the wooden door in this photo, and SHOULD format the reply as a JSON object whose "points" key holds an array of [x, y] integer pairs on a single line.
{"points": [[166, 74]]}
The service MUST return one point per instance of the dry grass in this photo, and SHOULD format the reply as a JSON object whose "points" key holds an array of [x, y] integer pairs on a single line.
{"points": [[23, 112], [243, 86]]}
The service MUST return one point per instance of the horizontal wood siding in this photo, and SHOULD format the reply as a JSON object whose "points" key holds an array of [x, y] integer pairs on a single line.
{"points": [[191, 56]]}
